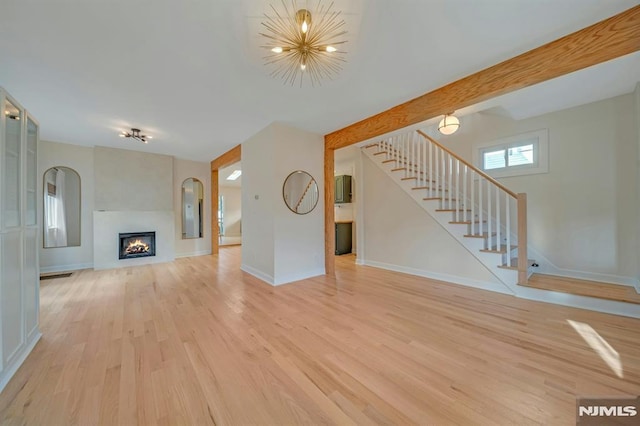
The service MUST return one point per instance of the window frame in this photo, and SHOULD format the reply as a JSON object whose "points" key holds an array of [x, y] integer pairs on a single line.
{"points": [[540, 141]]}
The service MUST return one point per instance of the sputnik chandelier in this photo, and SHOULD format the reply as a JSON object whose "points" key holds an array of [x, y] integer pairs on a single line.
{"points": [[303, 43]]}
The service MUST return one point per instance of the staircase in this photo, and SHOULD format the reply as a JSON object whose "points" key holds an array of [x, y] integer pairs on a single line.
{"points": [[487, 218]]}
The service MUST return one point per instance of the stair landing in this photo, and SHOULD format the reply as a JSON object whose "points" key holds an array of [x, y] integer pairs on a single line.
{"points": [[618, 293]]}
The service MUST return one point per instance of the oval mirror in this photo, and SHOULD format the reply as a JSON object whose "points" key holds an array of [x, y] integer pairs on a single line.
{"points": [[300, 192], [61, 207], [192, 208]]}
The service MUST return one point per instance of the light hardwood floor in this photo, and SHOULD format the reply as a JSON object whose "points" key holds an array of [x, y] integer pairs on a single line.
{"points": [[196, 341]]}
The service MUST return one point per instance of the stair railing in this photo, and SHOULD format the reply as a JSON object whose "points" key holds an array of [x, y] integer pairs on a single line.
{"points": [[490, 209], [308, 199]]}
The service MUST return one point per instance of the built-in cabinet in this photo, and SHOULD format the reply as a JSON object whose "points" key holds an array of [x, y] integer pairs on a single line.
{"points": [[343, 237], [342, 189], [19, 271]]}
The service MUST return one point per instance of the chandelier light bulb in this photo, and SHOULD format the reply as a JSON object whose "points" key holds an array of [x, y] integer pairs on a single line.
{"points": [[277, 50], [330, 49], [305, 27], [303, 66]]}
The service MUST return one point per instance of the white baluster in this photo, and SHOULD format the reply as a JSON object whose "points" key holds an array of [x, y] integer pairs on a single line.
{"points": [[413, 154], [394, 144], [404, 151], [420, 165], [450, 183], [498, 223], [439, 170], [473, 202], [465, 171], [430, 176], [457, 194], [489, 216], [480, 207], [508, 220], [423, 160]]}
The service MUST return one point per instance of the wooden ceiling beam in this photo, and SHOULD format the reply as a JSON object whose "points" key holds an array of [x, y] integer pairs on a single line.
{"points": [[608, 39], [228, 158]]}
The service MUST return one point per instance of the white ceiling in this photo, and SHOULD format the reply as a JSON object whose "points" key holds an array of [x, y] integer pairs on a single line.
{"points": [[190, 72]]}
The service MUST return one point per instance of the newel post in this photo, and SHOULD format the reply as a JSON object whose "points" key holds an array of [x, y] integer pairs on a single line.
{"points": [[522, 238]]}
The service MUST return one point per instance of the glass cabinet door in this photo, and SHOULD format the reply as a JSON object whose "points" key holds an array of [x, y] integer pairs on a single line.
{"points": [[32, 166], [13, 117]]}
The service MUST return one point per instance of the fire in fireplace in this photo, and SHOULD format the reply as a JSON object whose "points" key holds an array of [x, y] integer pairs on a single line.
{"points": [[137, 244]]}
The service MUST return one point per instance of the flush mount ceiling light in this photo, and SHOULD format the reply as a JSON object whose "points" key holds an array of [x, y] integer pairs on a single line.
{"points": [[304, 44], [449, 124], [135, 134]]}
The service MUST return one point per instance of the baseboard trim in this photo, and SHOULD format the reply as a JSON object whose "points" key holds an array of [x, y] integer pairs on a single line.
{"points": [[549, 268], [258, 274], [11, 369], [301, 276], [593, 276], [452, 279], [580, 302], [194, 254], [65, 268]]}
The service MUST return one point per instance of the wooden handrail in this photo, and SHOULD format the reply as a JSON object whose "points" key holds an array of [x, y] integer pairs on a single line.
{"points": [[474, 168]]}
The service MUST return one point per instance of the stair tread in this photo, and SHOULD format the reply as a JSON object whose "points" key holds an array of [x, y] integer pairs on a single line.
{"points": [[494, 249], [483, 235], [428, 187], [616, 292], [438, 198], [408, 178], [380, 153], [514, 264], [453, 210], [465, 222], [371, 145]]}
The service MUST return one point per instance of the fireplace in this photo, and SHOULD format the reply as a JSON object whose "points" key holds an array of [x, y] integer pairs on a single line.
{"points": [[137, 244]]}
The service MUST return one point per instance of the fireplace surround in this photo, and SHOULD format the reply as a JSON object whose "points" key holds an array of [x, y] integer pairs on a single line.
{"points": [[136, 244]]}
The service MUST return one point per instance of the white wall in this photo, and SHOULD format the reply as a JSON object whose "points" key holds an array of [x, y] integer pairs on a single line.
{"points": [[401, 235], [280, 246], [582, 215], [182, 170], [129, 190], [131, 180], [232, 213], [258, 199], [299, 239], [79, 158]]}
